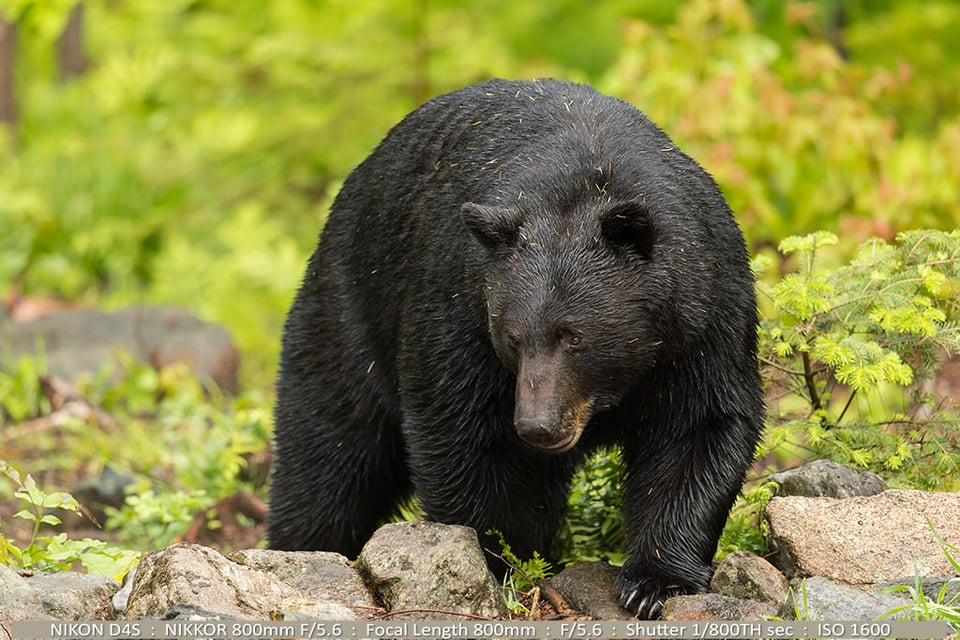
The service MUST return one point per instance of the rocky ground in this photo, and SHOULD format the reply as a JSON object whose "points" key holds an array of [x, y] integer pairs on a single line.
{"points": [[843, 554]]}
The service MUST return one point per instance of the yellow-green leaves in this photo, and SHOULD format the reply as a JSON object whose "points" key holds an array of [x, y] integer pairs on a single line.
{"points": [[803, 296], [808, 243], [861, 364], [846, 346], [919, 318]]}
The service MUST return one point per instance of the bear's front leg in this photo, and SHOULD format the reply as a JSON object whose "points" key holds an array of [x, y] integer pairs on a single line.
{"points": [[500, 485], [679, 490]]}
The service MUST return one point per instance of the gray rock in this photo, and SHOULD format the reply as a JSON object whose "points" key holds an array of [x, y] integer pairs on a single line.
{"points": [[931, 587], [59, 595], [588, 587], [747, 576], [84, 340], [818, 598], [118, 603], [320, 575], [713, 606], [429, 567], [15, 589], [863, 541], [197, 576], [68, 595], [824, 478], [18, 601]]}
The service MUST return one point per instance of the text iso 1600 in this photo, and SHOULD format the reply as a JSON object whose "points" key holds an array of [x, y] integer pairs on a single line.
{"points": [[852, 630]]}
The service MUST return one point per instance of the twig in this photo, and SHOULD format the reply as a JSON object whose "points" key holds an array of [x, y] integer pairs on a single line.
{"points": [[846, 406], [554, 597], [507, 562], [811, 384], [398, 612]]}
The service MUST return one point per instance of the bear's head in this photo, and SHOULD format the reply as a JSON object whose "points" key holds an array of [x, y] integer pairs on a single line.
{"points": [[580, 306]]}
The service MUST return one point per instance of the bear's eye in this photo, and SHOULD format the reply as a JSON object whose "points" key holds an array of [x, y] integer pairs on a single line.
{"points": [[572, 340]]}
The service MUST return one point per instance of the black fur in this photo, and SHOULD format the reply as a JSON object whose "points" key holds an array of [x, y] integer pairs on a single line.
{"points": [[521, 272]]}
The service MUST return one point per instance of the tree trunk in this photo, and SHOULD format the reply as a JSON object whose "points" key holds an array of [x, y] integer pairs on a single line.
{"points": [[8, 44], [71, 55]]}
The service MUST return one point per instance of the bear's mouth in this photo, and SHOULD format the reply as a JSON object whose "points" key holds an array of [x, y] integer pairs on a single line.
{"points": [[562, 445]]}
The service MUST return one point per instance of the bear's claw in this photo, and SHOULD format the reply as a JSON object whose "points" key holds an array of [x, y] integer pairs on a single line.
{"points": [[646, 597]]}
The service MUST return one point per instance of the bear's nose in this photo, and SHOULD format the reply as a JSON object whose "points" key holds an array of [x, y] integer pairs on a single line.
{"points": [[535, 429], [545, 434]]}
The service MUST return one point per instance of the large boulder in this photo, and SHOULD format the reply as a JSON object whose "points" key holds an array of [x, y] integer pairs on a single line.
{"points": [[864, 540]]}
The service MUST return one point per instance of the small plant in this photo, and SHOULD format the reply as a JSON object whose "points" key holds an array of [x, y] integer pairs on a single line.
{"points": [[923, 608], [57, 553], [521, 583], [20, 394], [744, 529], [801, 606], [155, 517]]}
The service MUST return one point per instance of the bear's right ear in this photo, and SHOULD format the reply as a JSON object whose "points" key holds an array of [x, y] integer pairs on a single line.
{"points": [[494, 227]]}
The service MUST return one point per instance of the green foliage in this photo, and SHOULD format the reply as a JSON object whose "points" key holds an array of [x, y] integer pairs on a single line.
{"points": [[186, 449], [523, 576], [801, 139], [20, 395], [745, 529], [153, 517], [847, 351], [173, 432], [58, 552], [593, 526]]}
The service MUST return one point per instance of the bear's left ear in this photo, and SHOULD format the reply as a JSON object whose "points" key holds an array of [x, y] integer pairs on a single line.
{"points": [[494, 227], [629, 225]]}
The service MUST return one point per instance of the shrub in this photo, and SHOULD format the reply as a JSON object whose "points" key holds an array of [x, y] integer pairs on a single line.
{"points": [[848, 353]]}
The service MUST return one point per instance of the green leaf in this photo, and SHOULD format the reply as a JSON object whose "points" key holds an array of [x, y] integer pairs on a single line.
{"points": [[26, 515], [51, 520], [807, 243], [782, 349], [60, 500]]}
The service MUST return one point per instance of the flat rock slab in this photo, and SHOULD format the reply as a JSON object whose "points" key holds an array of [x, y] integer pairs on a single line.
{"points": [[60, 595], [863, 540]]}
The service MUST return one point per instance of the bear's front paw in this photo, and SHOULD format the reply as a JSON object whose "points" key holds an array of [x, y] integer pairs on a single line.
{"points": [[644, 596]]}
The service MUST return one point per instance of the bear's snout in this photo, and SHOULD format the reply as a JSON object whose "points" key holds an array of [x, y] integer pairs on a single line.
{"points": [[542, 417]]}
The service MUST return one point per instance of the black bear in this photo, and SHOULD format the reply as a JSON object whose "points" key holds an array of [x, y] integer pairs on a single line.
{"points": [[519, 273]]}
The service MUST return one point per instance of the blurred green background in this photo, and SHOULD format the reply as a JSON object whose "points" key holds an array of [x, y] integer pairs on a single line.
{"points": [[186, 151]]}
